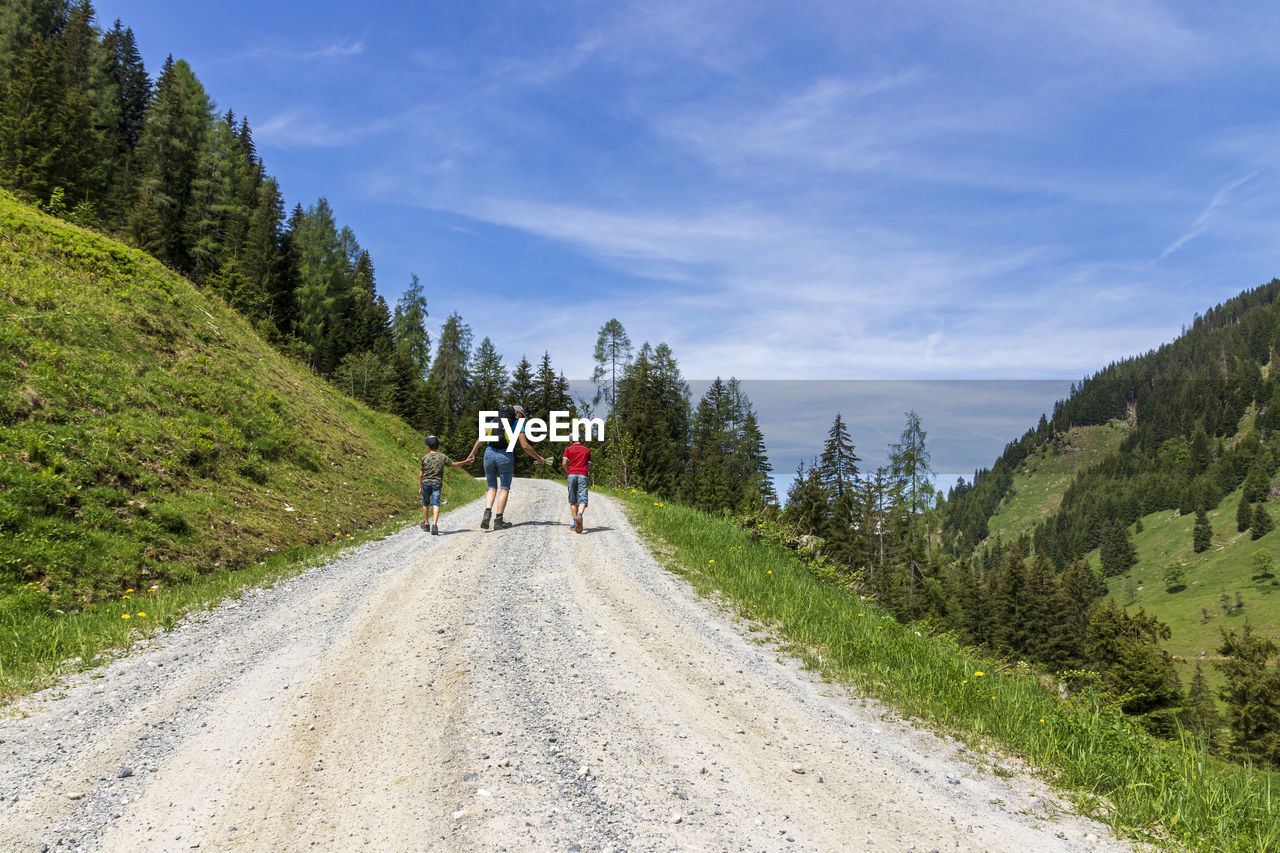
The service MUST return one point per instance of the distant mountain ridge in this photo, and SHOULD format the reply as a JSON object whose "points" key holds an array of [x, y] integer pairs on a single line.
{"points": [[1202, 414]]}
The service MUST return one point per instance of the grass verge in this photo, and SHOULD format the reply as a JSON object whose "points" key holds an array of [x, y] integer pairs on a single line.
{"points": [[150, 439], [1169, 793], [40, 644]]}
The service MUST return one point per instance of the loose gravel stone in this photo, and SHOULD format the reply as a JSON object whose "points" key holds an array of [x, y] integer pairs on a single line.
{"points": [[356, 704]]}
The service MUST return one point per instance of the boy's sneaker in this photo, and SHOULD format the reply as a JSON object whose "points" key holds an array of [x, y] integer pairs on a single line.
{"points": [[435, 530], [424, 525], [484, 522], [577, 525]]}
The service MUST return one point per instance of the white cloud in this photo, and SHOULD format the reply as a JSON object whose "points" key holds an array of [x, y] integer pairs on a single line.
{"points": [[735, 291], [1205, 219], [303, 127], [333, 50]]}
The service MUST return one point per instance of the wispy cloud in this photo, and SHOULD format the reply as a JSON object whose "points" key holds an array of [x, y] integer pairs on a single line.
{"points": [[302, 127], [731, 290], [337, 49], [1206, 217]]}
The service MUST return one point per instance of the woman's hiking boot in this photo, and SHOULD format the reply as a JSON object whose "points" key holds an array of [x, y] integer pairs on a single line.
{"points": [[484, 522], [498, 523]]}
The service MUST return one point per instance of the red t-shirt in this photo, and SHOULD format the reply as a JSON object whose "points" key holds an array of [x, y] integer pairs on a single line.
{"points": [[579, 457]]}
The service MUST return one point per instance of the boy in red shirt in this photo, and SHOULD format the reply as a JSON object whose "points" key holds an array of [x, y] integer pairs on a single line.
{"points": [[577, 463]]}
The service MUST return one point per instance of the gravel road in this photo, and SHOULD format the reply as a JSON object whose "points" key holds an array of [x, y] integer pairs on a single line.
{"points": [[523, 689]]}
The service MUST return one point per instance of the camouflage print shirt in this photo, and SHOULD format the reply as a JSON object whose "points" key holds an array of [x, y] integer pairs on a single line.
{"points": [[433, 465]]}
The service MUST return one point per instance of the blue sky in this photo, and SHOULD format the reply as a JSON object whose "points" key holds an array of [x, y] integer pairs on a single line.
{"points": [[841, 190]]}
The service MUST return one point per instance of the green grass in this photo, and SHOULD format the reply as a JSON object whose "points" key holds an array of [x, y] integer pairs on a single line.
{"points": [[150, 438], [1225, 567], [1171, 793], [1043, 478], [38, 644]]}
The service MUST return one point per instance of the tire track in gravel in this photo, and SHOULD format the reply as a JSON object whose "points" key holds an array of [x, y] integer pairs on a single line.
{"points": [[524, 689]]}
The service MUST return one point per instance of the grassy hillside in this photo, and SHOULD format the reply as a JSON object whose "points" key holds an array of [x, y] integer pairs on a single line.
{"points": [[1224, 569], [1043, 477], [149, 437]]}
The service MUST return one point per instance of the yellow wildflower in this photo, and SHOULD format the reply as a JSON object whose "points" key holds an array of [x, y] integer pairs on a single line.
{"points": [[979, 674], [140, 613], [124, 615]]}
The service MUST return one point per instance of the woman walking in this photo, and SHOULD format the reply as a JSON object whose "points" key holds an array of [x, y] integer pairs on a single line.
{"points": [[500, 465]]}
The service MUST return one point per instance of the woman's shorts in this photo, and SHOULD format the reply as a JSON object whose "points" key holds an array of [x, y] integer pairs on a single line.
{"points": [[431, 492], [498, 468]]}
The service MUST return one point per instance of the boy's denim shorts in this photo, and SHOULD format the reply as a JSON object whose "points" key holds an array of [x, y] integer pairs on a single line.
{"points": [[431, 492], [578, 489], [499, 466]]}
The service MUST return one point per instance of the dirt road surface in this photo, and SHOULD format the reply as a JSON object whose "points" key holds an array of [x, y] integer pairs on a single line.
{"points": [[523, 689]]}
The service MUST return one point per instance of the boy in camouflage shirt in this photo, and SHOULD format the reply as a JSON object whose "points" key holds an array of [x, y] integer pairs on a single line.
{"points": [[431, 482]]}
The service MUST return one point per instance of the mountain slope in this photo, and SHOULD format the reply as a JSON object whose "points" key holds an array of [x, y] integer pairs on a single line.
{"points": [[148, 435]]}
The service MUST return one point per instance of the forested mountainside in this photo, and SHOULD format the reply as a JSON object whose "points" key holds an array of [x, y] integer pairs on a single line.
{"points": [[1202, 413]]}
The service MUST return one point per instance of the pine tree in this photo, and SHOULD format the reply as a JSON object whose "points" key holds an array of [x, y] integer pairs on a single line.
{"points": [[265, 262], [1039, 609], [1251, 695], [612, 356], [1257, 484], [1117, 552], [489, 378], [972, 612], [1072, 611], [129, 91], [910, 460], [1202, 533], [314, 239], [1244, 515], [1200, 715], [171, 157], [653, 408], [709, 480], [48, 137], [409, 327], [1262, 523], [521, 390], [368, 321], [1125, 650], [759, 491], [1009, 604], [449, 379], [839, 463], [807, 501], [218, 219]]}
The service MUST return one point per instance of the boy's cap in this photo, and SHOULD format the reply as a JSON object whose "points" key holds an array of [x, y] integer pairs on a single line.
{"points": [[519, 409]]}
